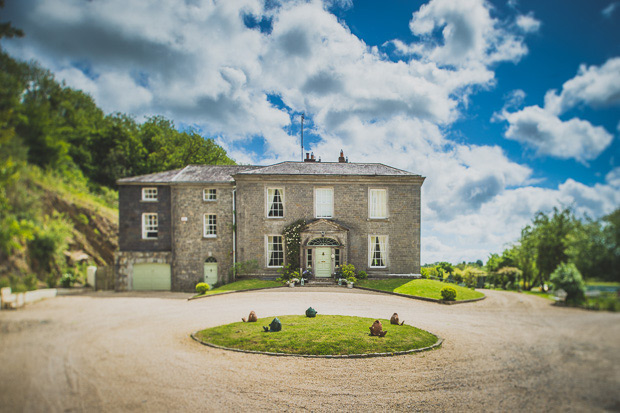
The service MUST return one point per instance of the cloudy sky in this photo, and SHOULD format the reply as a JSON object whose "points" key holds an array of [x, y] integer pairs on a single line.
{"points": [[507, 107]]}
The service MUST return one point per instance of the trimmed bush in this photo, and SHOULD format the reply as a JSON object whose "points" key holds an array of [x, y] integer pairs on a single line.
{"points": [[448, 294], [362, 275], [202, 288]]}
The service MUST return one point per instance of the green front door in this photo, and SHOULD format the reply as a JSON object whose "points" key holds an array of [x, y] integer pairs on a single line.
{"points": [[151, 277], [211, 273], [323, 262]]}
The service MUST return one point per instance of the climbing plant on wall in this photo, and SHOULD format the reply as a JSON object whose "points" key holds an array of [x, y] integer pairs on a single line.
{"points": [[292, 242]]}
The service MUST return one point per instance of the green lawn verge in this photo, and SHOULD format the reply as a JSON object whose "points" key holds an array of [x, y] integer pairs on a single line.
{"points": [[548, 296], [322, 335], [242, 285], [420, 288]]}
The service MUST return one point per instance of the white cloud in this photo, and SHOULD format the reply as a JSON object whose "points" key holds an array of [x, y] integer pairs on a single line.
{"points": [[609, 10], [540, 129], [613, 177], [528, 23], [469, 33], [594, 86]]}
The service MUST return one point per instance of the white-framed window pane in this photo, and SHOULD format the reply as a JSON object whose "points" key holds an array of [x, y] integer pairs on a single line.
{"points": [[275, 251], [149, 194], [275, 202], [378, 251], [378, 203], [324, 202], [149, 226], [309, 259], [210, 225], [209, 194], [337, 257]]}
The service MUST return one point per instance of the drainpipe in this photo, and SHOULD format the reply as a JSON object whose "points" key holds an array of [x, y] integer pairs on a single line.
{"points": [[234, 234]]}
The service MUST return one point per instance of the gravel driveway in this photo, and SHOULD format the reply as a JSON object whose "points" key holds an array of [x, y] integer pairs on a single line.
{"points": [[124, 352]]}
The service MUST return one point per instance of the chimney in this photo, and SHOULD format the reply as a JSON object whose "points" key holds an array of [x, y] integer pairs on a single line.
{"points": [[341, 158]]}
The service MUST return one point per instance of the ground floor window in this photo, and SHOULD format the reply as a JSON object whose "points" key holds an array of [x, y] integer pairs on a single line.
{"points": [[309, 259], [275, 251], [337, 257], [377, 251]]}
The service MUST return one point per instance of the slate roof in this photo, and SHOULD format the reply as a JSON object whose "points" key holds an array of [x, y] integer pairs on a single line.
{"points": [[190, 174], [328, 168], [225, 173]]}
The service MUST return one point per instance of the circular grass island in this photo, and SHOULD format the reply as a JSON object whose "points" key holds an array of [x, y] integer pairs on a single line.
{"points": [[321, 336]]}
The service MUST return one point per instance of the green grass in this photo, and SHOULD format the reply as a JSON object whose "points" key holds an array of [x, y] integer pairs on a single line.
{"points": [[603, 283], [242, 285], [420, 288], [322, 335]]}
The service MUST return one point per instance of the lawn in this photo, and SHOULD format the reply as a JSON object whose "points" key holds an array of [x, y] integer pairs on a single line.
{"points": [[243, 285], [322, 335], [420, 288]]}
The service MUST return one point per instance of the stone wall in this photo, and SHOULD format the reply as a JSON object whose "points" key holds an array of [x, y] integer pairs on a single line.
{"points": [[190, 247], [125, 260], [350, 210], [130, 210]]}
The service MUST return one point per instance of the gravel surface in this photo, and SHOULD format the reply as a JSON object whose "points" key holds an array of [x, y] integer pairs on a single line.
{"points": [[125, 352]]}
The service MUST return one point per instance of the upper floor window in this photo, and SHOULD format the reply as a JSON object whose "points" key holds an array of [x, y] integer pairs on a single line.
{"points": [[149, 194], [149, 226], [324, 202], [275, 202], [275, 251], [377, 249], [378, 203], [209, 194], [210, 226]]}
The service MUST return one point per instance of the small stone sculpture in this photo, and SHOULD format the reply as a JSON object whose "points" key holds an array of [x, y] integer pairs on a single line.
{"points": [[310, 312], [394, 320], [251, 318], [377, 329], [275, 325]]}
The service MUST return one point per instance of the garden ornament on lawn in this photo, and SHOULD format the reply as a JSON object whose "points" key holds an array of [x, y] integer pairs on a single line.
{"points": [[275, 325], [310, 312], [394, 320], [377, 329], [251, 318]]}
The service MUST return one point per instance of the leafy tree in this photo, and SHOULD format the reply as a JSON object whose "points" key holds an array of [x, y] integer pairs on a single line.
{"points": [[568, 278]]}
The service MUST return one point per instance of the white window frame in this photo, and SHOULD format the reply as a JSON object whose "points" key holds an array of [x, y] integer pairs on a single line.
{"points": [[384, 252], [149, 226], [309, 258], [268, 201], [268, 250], [149, 194], [372, 212], [209, 230], [318, 198], [206, 194]]}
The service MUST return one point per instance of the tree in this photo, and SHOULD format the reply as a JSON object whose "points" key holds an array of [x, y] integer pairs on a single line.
{"points": [[551, 238], [568, 278]]}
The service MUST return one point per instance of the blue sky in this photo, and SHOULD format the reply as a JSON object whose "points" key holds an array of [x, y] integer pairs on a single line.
{"points": [[507, 107]]}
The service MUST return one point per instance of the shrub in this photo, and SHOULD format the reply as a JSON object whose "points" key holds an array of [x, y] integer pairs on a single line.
{"points": [[509, 276], [425, 273], [347, 271], [448, 294], [67, 280], [568, 278], [458, 278], [202, 288], [244, 268], [362, 275]]}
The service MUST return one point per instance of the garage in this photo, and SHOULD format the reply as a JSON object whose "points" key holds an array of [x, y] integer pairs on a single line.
{"points": [[151, 277]]}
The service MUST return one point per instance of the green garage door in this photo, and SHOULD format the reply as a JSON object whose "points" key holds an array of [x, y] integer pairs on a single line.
{"points": [[151, 277]]}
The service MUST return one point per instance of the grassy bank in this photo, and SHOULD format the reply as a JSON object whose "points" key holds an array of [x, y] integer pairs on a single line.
{"points": [[242, 285], [420, 288]]}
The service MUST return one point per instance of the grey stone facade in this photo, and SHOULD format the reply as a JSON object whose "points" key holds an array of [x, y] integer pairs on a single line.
{"points": [[242, 234]]}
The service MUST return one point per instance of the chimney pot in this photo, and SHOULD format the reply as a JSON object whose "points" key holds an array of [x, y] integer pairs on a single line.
{"points": [[341, 158]]}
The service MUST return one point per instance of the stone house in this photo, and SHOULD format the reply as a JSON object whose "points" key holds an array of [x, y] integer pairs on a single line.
{"points": [[181, 227]]}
